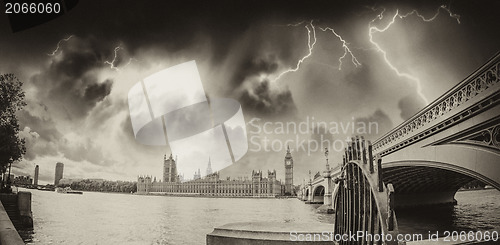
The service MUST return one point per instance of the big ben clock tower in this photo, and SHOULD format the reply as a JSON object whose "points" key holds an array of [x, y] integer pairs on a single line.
{"points": [[288, 173]]}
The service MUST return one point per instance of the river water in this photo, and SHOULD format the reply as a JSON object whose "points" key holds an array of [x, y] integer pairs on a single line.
{"points": [[103, 218]]}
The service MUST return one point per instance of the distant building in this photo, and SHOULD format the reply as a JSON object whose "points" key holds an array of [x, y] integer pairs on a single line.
{"points": [[169, 169], [288, 172], [37, 171], [59, 173], [22, 180], [212, 185], [197, 175]]}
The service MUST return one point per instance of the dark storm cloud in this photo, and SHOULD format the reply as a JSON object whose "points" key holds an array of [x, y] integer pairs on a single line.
{"points": [[254, 92], [96, 92], [175, 24], [69, 84], [262, 100], [66, 91], [253, 66], [409, 105]]}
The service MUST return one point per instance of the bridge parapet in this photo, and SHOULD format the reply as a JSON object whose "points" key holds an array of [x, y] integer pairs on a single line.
{"points": [[476, 93]]}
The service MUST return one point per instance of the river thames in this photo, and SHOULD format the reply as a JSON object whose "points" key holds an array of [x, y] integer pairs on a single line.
{"points": [[103, 218]]}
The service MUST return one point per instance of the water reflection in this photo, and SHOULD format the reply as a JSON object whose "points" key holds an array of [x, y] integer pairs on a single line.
{"points": [[476, 210]]}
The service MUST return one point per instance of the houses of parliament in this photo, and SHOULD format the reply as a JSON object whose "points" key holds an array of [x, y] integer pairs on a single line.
{"points": [[212, 185]]}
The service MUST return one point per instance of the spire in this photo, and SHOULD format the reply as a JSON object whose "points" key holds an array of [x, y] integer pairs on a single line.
{"points": [[165, 157], [288, 155], [209, 167]]}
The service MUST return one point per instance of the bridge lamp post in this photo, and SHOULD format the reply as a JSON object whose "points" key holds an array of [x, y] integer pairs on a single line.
{"points": [[309, 187], [304, 198], [327, 176], [326, 155]]}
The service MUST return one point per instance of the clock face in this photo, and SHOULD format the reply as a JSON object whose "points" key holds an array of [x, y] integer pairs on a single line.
{"points": [[288, 162]]}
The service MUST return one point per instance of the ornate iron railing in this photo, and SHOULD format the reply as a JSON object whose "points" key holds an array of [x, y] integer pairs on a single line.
{"points": [[483, 79], [362, 203]]}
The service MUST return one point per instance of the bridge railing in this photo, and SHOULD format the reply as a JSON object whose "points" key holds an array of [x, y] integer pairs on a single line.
{"points": [[363, 204], [476, 84]]}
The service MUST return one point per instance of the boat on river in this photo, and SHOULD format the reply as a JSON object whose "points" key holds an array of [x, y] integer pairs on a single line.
{"points": [[45, 188], [67, 190]]}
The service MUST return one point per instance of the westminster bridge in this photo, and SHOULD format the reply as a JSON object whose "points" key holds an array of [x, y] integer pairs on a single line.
{"points": [[423, 161]]}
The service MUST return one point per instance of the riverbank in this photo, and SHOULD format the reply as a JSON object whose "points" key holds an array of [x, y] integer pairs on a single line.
{"points": [[15, 216], [8, 233]]}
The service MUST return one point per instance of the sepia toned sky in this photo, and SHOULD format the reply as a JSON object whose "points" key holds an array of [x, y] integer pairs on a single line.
{"points": [[78, 69]]}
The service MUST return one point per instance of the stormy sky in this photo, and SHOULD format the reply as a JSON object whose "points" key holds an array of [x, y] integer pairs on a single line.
{"points": [[78, 69]]}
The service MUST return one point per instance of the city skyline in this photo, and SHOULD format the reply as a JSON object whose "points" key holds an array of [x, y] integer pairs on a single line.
{"points": [[168, 175], [76, 76], [211, 184]]}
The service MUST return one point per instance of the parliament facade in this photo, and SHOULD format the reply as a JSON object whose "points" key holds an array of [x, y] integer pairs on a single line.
{"points": [[211, 184]]}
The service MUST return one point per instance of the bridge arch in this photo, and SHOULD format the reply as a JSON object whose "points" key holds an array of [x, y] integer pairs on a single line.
{"points": [[474, 162], [419, 183], [318, 194]]}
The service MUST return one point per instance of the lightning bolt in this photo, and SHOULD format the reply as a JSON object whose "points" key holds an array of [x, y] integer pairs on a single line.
{"points": [[452, 15], [112, 62], [59, 45], [311, 41], [297, 24], [346, 48], [373, 29]]}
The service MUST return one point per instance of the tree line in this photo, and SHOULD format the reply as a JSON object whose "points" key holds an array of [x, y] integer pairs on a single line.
{"points": [[103, 186], [475, 184], [12, 147]]}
